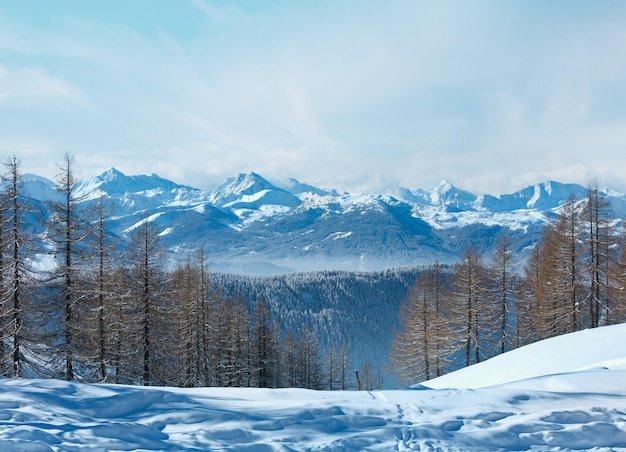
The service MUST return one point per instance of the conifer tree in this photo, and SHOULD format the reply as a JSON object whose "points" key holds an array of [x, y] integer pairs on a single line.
{"points": [[504, 289], [472, 310], [289, 360], [335, 373], [188, 292], [146, 293], [204, 309], [13, 271], [99, 290], [264, 350], [3, 301], [421, 347], [599, 257], [550, 311], [121, 325], [181, 292], [231, 347], [343, 372], [526, 303], [68, 232], [555, 276], [618, 288], [309, 367], [367, 377]]}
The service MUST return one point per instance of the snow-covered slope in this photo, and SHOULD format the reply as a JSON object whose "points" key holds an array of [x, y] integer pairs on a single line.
{"points": [[586, 350], [252, 225], [567, 409], [548, 195], [39, 188], [251, 190]]}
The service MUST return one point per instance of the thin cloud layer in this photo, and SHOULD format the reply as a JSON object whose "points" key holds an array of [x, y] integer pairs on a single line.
{"points": [[356, 95]]}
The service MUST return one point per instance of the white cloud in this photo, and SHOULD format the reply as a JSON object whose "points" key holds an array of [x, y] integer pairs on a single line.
{"points": [[19, 86], [489, 95]]}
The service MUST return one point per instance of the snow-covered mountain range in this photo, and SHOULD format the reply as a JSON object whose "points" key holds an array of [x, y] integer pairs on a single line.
{"points": [[248, 224]]}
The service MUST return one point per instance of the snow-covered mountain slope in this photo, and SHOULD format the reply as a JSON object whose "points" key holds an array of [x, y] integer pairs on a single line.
{"points": [[565, 409], [39, 188], [248, 224], [114, 182], [548, 195], [253, 191]]}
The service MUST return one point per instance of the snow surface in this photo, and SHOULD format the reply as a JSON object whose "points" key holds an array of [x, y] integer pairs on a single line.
{"points": [[566, 393], [594, 349]]}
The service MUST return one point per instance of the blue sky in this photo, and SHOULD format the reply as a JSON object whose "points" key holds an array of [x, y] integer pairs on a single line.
{"points": [[351, 94]]}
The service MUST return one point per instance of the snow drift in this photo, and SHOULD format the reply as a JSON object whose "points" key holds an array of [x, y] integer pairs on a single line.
{"points": [[565, 393]]}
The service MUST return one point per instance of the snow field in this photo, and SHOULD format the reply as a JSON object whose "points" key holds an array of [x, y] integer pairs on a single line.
{"points": [[572, 396]]}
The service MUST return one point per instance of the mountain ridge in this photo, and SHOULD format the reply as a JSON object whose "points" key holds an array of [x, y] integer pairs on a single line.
{"points": [[252, 225], [114, 181]]}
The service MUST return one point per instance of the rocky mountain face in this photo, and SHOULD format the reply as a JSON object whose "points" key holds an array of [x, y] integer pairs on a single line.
{"points": [[250, 225]]}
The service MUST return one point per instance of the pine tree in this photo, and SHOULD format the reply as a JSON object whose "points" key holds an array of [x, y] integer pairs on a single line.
{"points": [[334, 369], [231, 350], [188, 292], [264, 349], [600, 261], [68, 232], [421, 347], [99, 291], [367, 376], [14, 270], [571, 261], [146, 290], [204, 309], [526, 304], [182, 293], [309, 367], [471, 308], [343, 372], [555, 278], [289, 360], [618, 288], [122, 326], [504, 287], [3, 301]]}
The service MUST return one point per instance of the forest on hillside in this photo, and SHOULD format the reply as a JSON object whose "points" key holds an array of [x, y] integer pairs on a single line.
{"points": [[574, 279], [97, 314]]}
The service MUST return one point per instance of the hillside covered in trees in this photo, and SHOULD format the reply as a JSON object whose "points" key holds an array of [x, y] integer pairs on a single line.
{"points": [[80, 302], [104, 312], [574, 279]]}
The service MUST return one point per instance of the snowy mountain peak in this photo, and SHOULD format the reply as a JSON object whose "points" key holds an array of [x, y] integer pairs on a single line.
{"points": [[292, 225], [543, 196], [550, 194], [251, 197], [296, 187], [245, 184], [39, 188], [446, 194], [443, 187], [92, 187], [249, 183], [114, 182], [110, 175]]}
